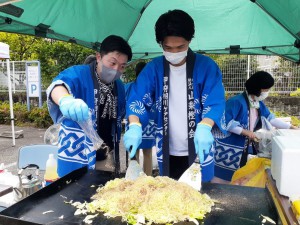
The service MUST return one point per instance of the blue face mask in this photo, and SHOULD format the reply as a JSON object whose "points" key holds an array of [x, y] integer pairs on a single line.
{"points": [[109, 75]]}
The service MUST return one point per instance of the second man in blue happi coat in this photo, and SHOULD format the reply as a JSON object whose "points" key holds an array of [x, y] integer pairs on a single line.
{"points": [[187, 92]]}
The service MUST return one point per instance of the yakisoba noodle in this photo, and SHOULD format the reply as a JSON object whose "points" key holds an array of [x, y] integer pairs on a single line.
{"points": [[159, 200]]}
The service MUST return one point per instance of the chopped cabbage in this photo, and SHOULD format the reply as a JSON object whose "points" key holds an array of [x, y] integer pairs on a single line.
{"points": [[159, 200]]}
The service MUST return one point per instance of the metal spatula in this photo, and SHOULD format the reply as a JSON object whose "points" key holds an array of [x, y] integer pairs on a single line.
{"points": [[192, 176], [134, 169]]}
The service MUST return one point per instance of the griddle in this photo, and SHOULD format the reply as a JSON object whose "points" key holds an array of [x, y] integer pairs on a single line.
{"points": [[236, 204]]}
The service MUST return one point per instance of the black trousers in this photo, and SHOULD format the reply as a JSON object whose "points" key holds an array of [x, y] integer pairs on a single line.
{"points": [[178, 164]]}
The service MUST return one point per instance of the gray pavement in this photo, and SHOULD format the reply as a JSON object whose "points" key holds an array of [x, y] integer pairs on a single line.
{"points": [[9, 153]]}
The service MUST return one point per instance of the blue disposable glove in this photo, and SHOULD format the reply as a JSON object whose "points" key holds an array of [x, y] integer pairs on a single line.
{"points": [[133, 137], [203, 140], [74, 108]]}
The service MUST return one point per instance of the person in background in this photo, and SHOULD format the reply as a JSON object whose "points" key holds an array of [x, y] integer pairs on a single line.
{"points": [[188, 95], [148, 140], [90, 59], [244, 113], [94, 87]]}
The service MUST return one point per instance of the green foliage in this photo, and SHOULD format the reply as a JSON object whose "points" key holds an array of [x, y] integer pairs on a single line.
{"points": [[54, 56], [4, 112], [295, 121], [281, 114], [295, 93], [22, 47], [38, 117], [130, 72], [20, 113]]}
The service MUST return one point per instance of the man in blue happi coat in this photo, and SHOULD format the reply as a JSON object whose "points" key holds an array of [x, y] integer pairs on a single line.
{"points": [[188, 94], [95, 87]]}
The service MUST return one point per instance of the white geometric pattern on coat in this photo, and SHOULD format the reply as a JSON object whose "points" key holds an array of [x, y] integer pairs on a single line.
{"points": [[158, 104], [147, 99], [73, 144], [149, 130], [197, 106], [137, 107], [159, 143]]}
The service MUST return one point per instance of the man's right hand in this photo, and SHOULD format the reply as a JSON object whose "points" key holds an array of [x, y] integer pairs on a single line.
{"points": [[74, 109], [133, 137]]}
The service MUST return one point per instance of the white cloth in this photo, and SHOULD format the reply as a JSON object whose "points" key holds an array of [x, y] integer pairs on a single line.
{"points": [[236, 130], [279, 124], [178, 129]]}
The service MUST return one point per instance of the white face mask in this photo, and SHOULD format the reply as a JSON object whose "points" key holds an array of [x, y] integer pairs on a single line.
{"points": [[175, 58], [262, 96]]}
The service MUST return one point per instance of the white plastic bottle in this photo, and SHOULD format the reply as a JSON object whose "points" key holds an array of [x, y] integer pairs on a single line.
{"points": [[51, 170]]}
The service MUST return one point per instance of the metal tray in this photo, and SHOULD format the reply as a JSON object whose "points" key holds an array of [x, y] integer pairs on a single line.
{"points": [[236, 204]]}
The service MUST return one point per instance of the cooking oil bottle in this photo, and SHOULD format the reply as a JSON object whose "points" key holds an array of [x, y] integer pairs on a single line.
{"points": [[51, 170]]}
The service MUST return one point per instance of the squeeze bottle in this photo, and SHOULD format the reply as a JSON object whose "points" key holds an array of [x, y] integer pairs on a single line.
{"points": [[51, 170]]}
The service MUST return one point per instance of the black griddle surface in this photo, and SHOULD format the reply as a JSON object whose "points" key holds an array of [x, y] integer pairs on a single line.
{"points": [[236, 204]]}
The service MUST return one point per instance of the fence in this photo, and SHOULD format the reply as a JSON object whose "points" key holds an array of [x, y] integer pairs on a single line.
{"points": [[235, 69], [18, 76]]}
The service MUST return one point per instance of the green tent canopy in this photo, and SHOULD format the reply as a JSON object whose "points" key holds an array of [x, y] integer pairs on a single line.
{"points": [[268, 27]]}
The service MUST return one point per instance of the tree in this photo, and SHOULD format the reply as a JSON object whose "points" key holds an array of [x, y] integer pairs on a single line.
{"points": [[22, 47], [54, 56]]}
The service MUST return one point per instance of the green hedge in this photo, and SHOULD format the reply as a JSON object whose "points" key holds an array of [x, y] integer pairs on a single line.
{"points": [[37, 117]]}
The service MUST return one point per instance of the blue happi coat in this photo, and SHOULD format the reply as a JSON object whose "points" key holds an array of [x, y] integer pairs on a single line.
{"points": [[75, 148], [208, 93], [229, 149], [148, 140]]}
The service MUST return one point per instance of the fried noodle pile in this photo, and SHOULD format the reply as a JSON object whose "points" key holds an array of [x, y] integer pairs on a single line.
{"points": [[159, 200]]}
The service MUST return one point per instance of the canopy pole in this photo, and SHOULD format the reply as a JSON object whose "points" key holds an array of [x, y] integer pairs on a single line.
{"points": [[11, 103], [248, 67]]}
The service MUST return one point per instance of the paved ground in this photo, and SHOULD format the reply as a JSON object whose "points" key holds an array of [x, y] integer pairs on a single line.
{"points": [[9, 153]]}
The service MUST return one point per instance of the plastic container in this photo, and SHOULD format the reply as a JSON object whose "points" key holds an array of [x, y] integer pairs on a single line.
{"points": [[51, 170], [285, 164], [7, 178], [287, 132]]}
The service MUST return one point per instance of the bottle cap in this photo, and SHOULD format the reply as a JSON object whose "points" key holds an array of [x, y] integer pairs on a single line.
{"points": [[1, 167]]}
